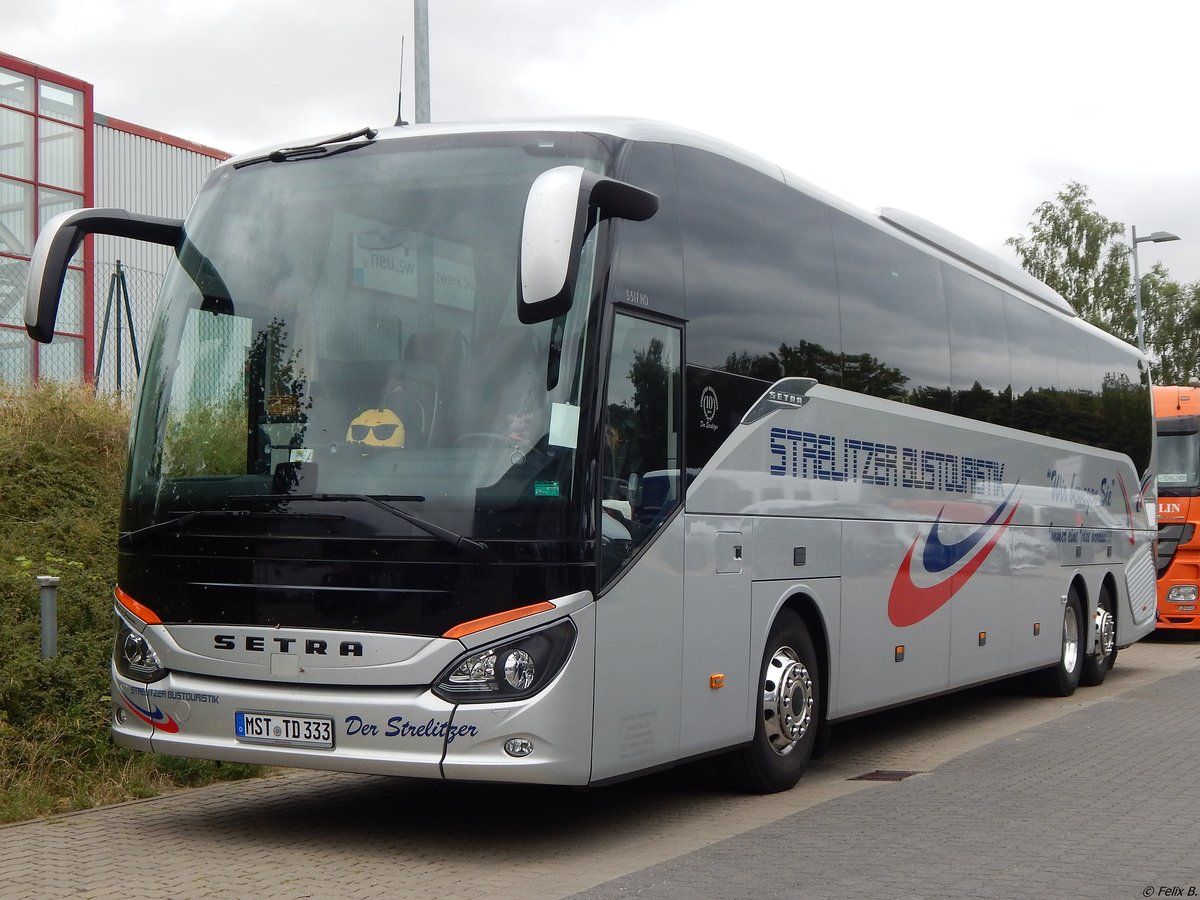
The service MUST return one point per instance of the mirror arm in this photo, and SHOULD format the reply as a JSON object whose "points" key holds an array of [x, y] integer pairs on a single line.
{"points": [[59, 240], [557, 214]]}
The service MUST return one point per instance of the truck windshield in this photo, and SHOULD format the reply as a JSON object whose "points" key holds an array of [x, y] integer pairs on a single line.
{"points": [[1179, 464], [345, 328]]}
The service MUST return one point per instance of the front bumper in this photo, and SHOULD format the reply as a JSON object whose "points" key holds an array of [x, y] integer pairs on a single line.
{"points": [[404, 731]]}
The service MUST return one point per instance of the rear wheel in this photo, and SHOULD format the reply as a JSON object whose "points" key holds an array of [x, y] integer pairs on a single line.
{"points": [[787, 711], [1098, 663], [1061, 679]]}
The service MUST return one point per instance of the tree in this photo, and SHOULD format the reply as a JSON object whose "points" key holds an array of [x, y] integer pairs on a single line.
{"points": [[1082, 255], [1172, 325]]}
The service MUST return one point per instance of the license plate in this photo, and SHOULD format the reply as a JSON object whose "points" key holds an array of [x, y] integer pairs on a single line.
{"points": [[284, 730]]}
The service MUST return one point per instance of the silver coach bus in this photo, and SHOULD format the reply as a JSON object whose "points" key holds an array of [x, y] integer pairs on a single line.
{"points": [[560, 452]]}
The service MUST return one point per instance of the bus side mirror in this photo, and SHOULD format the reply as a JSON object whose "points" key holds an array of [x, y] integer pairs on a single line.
{"points": [[59, 240], [557, 213]]}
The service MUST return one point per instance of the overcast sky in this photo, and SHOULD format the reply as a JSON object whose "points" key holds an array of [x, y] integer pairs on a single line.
{"points": [[968, 112]]}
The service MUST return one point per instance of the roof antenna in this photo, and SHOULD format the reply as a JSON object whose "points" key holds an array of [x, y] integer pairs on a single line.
{"points": [[400, 92]]}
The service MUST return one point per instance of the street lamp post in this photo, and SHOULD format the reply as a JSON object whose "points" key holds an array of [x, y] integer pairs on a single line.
{"points": [[421, 27], [1158, 237]]}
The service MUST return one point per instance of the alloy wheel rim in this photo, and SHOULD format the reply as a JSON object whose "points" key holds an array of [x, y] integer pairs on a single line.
{"points": [[787, 700], [1070, 640], [1106, 632]]}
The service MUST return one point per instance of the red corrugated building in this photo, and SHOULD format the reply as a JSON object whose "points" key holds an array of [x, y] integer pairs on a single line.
{"points": [[57, 154]]}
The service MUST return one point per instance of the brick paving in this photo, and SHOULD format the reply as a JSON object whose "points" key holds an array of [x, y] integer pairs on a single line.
{"points": [[1100, 803], [1019, 796]]}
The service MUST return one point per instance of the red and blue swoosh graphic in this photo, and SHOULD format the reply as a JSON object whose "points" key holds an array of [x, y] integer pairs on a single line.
{"points": [[153, 716], [910, 603]]}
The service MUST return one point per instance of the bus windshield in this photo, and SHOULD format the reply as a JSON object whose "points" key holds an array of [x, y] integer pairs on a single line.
{"points": [[345, 328]]}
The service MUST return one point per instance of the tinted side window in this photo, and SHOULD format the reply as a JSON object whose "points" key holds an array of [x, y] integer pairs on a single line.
{"points": [[648, 270], [895, 337], [1032, 345], [1079, 388], [980, 378], [1124, 406], [761, 287]]}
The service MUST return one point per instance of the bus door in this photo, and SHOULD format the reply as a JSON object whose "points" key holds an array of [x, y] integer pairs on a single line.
{"points": [[639, 613]]}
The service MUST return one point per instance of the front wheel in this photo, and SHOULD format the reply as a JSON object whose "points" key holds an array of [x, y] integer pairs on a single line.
{"points": [[1061, 679], [1098, 663], [788, 711]]}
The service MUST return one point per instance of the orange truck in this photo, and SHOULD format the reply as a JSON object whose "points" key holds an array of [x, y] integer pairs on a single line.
{"points": [[1177, 413]]}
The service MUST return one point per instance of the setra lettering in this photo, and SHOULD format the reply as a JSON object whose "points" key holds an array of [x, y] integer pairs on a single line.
{"points": [[257, 643]]}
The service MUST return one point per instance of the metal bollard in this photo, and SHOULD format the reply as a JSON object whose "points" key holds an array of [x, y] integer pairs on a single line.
{"points": [[49, 598]]}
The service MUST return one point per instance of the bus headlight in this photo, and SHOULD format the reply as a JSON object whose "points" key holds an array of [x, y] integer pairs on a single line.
{"points": [[134, 656], [511, 670]]}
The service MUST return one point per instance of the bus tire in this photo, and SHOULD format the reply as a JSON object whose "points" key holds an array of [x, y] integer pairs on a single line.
{"points": [[1061, 679], [1098, 663], [787, 711]]}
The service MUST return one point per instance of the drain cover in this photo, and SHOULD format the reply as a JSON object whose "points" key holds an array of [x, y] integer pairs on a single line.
{"points": [[884, 775]]}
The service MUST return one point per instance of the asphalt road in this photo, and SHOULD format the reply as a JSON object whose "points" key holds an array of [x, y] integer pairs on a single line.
{"points": [[1005, 794]]}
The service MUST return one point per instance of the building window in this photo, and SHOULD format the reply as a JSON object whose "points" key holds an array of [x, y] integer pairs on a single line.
{"points": [[45, 145], [16, 217], [58, 102], [16, 90], [60, 155], [16, 142]]}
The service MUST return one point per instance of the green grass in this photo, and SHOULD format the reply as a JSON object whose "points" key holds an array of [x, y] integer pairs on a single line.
{"points": [[62, 458]]}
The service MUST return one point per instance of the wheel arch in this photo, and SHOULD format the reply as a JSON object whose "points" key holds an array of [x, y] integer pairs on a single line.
{"points": [[1087, 608]]}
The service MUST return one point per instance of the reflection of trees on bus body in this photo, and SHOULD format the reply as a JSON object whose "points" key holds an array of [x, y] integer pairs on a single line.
{"points": [[1105, 417]]}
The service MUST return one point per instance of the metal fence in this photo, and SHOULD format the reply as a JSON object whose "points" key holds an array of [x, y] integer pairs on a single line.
{"points": [[123, 315], [124, 307]]}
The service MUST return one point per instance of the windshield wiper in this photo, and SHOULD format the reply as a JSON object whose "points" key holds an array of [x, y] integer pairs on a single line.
{"points": [[462, 543], [133, 538], [315, 149], [472, 548]]}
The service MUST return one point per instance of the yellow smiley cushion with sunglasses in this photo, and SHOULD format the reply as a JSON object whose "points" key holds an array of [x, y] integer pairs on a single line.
{"points": [[376, 428]]}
